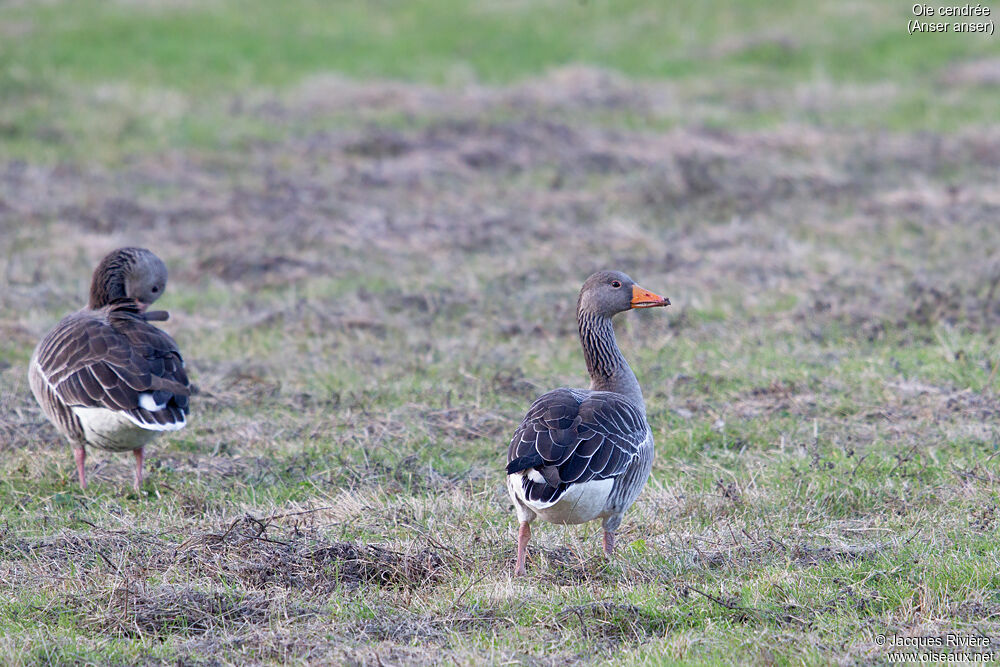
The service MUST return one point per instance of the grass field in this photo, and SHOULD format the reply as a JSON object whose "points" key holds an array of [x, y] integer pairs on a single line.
{"points": [[376, 222]]}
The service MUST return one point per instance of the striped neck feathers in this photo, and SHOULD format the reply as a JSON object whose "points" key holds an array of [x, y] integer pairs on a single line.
{"points": [[609, 371]]}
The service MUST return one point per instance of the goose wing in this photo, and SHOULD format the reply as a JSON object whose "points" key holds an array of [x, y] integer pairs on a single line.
{"points": [[118, 361], [571, 436]]}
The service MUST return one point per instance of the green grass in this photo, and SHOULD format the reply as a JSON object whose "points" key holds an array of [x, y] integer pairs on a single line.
{"points": [[235, 45], [113, 79], [376, 218]]}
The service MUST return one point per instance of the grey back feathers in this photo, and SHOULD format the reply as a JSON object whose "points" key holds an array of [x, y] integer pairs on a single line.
{"points": [[571, 437]]}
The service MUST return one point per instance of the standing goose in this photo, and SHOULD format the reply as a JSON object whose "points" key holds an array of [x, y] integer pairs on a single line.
{"points": [[105, 376], [585, 454]]}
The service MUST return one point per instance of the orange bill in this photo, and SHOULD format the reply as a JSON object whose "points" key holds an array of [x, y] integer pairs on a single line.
{"points": [[643, 298]]}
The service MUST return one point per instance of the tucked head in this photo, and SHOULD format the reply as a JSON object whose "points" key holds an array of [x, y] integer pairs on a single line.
{"points": [[128, 272], [607, 293]]}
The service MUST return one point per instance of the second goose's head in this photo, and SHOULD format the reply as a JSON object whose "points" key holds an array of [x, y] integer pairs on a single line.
{"points": [[134, 273]]}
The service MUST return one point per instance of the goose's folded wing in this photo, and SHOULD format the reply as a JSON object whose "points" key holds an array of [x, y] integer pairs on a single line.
{"points": [[129, 367], [571, 437]]}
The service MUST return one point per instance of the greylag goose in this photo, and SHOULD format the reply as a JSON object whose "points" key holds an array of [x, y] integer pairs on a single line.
{"points": [[585, 454], [105, 376]]}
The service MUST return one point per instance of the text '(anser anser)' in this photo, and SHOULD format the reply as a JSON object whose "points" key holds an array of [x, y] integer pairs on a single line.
{"points": [[105, 376], [585, 454]]}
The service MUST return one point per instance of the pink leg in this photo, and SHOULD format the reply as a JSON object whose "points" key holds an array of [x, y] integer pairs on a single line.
{"points": [[80, 454], [523, 535], [138, 467], [609, 543]]}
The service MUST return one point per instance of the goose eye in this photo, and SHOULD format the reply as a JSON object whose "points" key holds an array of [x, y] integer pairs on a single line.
{"points": [[616, 284], [155, 289]]}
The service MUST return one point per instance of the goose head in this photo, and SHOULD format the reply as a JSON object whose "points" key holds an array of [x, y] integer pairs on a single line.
{"points": [[134, 273], [607, 293]]}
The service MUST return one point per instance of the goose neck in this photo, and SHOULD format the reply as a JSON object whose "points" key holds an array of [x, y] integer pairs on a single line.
{"points": [[609, 371], [107, 285]]}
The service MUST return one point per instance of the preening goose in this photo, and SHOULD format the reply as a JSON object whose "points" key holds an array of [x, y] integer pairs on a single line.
{"points": [[105, 376], [585, 454]]}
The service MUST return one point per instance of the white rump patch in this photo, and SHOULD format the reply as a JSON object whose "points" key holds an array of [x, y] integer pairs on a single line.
{"points": [[147, 402], [578, 504], [119, 431]]}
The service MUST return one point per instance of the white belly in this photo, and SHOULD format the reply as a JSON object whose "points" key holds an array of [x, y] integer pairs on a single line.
{"points": [[112, 430], [578, 504]]}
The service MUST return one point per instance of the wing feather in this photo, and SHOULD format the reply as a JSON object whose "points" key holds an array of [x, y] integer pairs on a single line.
{"points": [[573, 436], [105, 359]]}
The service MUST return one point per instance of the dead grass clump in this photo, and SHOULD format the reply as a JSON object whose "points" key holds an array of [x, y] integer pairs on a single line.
{"points": [[246, 382], [169, 610], [245, 554], [514, 383], [425, 306], [983, 72], [408, 628], [857, 598], [782, 615], [73, 548], [215, 467], [730, 491], [983, 519], [973, 405], [862, 305], [952, 295], [406, 473], [374, 564], [575, 86], [24, 430], [777, 397]]}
